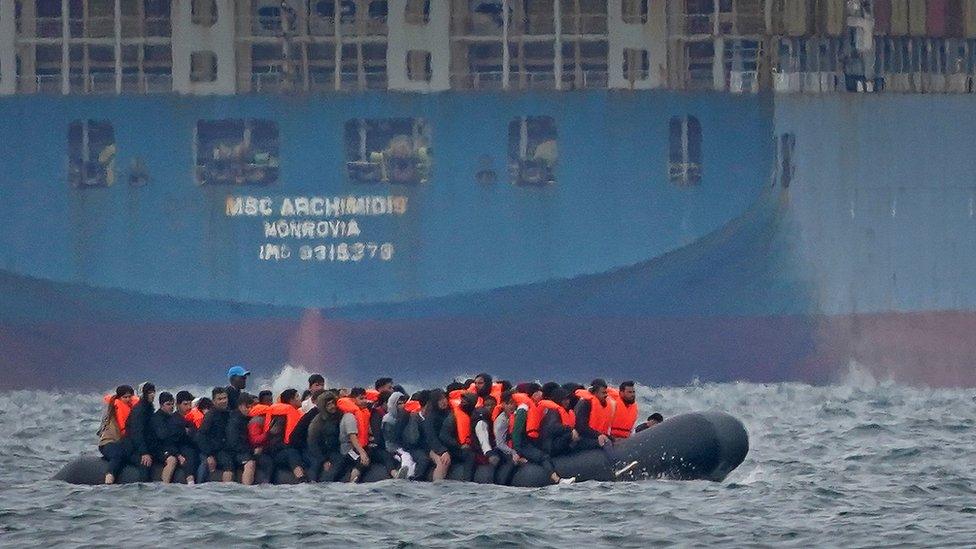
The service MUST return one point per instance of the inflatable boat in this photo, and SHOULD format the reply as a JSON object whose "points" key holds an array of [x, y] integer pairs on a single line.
{"points": [[693, 446]]}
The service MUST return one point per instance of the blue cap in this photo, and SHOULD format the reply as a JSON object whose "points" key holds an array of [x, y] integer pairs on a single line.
{"points": [[237, 371]]}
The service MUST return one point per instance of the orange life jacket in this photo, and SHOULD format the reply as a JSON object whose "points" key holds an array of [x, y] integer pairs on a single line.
{"points": [[496, 411], [599, 413], [566, 417], [623, 419], [412, 406], [496, 392], [122, 410], [372, 395], [533, 418], [195, 416], [256, 435], [463, 424], [258, 410], [348, 405], [290, 413]]}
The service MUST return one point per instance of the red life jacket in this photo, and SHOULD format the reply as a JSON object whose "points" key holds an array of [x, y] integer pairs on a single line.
{"points": [[463, 424], [624, 416], [121, 410], [411, 406], [372, 395], [289, 412], [496, 392], [533, 418], [348, 405], [256, 435], [599, 413], [195, 416], [566, 417]]}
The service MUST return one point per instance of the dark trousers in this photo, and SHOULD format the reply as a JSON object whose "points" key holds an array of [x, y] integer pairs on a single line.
{"points": [[535, 455], [120, 453], [315, 466], [288, 458], [505, 470], [465, 458], [345, 467], [422, 459]]}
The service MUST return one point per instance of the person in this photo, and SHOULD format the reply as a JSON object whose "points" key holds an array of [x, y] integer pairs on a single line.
{"points": [[383, 385], [266, 397], [526, 449], [593, 416], [173, 449], [652, 420], [299, 436], [377, 445], [502, 418], [211, 437], [393, 424], [316, 384], [455, 434], [138, 428], [412, 437], [237, 377], [238, 451], [198, 410], [434, 415], [281, 420], [353, 434], [322, 449], [115, 447], [624, 411], [557, 431], [484, 442]]}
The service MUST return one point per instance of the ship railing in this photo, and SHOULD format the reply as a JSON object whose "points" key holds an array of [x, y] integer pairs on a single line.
{"points": [[95, 27], [47, 27], [147, 83], [478, 24], [589, 79], [135, 27], [490, 80], [589, 23]]}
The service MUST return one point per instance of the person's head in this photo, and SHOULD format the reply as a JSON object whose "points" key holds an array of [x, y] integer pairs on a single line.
{"points": [[547, 389], [469, 401], [306, 394], [343, 392], [315, 395], [237, 376], [628, 393], [571, 389], [291, 396], [316, 382], [205, 405], [219, 396], [454, 386], [482, 384], [166, 402], [421, 396], [147, 392], [534, 390], [436, 400], [400, 389], [184, 401], [654, 419], [561, 397], [124, 393], [598, 388], [245, 402], [266, 397], [359, 395], [505, 384], [508, 402], [384, 385], [326, 403]]}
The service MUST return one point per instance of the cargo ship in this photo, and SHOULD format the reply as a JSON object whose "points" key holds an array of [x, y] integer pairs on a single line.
{"points": [[662, 191]]}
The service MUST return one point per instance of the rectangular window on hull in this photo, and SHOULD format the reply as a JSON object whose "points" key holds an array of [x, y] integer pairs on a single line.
{"points": [[685, 152], [236, 152], [388, 150], [91, 153], [532, 150]]}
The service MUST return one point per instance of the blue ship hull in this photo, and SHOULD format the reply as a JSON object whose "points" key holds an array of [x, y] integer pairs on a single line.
{"points": [[612, 270]]}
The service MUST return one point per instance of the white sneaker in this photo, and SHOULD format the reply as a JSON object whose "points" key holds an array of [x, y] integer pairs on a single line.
{"points": [[569, 480], [403, 472], [627, 468]]}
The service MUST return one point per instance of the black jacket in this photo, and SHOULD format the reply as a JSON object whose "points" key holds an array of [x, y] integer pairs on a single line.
{"points": [[212, 435], [139, 429], [323, 437], [299, 436], [431, 428], [170, 431], [236, 441], [583, 420], [554, 437]]}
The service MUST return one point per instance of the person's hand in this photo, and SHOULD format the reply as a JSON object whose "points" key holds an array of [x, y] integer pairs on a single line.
{"points": [[257, 450], [576, 436], [364, 459], [212, 463], [445, 459], [182, 459], [602, 440], [146, 460]]}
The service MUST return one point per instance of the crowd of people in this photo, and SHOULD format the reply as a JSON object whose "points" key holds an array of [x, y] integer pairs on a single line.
{"points": [[325, 435]]}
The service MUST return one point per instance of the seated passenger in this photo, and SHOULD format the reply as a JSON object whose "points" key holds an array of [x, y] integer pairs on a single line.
{"points": [[316, 384], [281, 420], [353, 434], [266, 397], [624, 406], [433, 416], [237, 451], [174, 448], [455, 433], [200, 407], [115, 447], [593, 416], [393, 424], [557, 433], [484, 433], [139, 429], [378, 398], [211, 438], [322, 449], [526, 449], [413, 437], [652, 420], [299, 437]]}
